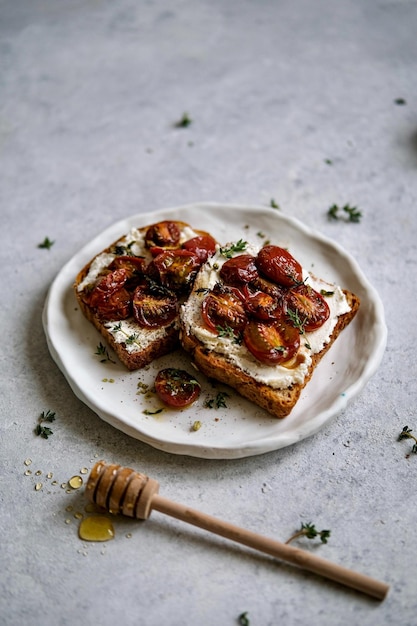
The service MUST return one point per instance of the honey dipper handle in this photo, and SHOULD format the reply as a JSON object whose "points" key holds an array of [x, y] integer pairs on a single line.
{"points": [[303, 559]]}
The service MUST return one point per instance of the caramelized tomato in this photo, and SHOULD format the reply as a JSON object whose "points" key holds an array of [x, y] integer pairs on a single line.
{"points": [[223, 309], [267, 286], [308, 305], [175, 269], [132, 264], [279, 265], [262, 306], [239, 270], [154, 309], [271, 343], [176, 387], [163, 234], [110, 298], [203, 246]]}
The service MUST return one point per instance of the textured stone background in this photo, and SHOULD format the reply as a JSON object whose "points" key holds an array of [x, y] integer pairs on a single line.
{"points": [[89, 93]]}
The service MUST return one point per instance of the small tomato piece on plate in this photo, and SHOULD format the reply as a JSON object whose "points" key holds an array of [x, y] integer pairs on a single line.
{"points": [[163, 234], [176, 387], [279, 265], [271, 343], [222, 310], [307, 306], [203, 246], [154, 309]]}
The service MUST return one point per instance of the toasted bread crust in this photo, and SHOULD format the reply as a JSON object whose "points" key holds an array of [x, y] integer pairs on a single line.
{"points": [[278, 402], [165, 344]]}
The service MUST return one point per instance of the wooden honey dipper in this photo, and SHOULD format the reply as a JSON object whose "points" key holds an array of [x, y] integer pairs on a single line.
{"points": [[124, 491]]}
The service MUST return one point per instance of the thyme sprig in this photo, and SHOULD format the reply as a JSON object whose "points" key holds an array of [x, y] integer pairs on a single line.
{"points": [[309, 530], [44, 431], [219, 402], [406, 434], [351, 214], [102, 351], [298, 323], [239, 246], [228, 333], [130, 338]]}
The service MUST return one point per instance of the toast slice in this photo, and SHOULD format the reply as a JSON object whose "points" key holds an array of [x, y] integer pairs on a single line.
{"points": [[132, 291], [226, 358]]}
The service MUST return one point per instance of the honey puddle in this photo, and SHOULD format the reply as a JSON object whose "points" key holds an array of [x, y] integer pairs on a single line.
{"points": [[96, 528]]}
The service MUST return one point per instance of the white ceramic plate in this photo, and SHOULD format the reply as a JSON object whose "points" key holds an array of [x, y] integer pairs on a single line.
{"points": [[241, 429]]}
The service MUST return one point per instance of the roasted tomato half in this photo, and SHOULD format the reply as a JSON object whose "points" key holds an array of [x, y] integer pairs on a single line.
{"points": [[130, 263], [109, 298], [271, 343], [267, 286], [135, 267], [279, 265], [164, 234], [307, 307], [153, 308], [203, 246], [262, 306], [175, 269], [176, 387], [239, 270], [223, 310]]}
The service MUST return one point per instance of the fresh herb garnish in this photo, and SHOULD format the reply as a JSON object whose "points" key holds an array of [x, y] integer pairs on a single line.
{"points": [[328, 161], [400, 101], [406, 434], [118, 328], [227, 332], [310, 531], [103, 352], [46, 244], [351, 214], [196, 425], [243, 619], [184, 121], [120, 250], [131, 339], [274, 204], [239, 246], [219, 402], [323, 292], [298, 323], [44, 431]]}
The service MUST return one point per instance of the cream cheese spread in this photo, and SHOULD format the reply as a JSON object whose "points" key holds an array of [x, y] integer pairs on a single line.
{"points": [[277, 376]]}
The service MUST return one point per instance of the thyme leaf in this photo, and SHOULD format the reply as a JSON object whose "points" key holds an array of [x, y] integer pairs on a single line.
{"points": [[44, 431], [184, 121], [46, 244], [219, 402], [406, 434], [243, 619], [351, 214], [102, 351]]}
